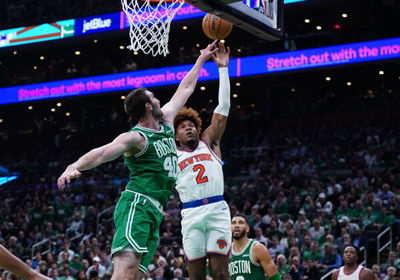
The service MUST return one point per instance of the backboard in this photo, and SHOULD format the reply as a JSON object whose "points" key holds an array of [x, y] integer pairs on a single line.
{"points": [[263, 18]]}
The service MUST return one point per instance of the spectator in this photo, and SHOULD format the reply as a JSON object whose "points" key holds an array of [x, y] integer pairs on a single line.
{"points": [[329, 260], [316, 231], [97, 267], [391, 273], [66, 250], [296, 270], [260, 237]]}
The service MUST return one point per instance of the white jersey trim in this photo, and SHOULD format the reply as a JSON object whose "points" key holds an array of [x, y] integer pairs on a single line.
{"points": [[145, 148]]}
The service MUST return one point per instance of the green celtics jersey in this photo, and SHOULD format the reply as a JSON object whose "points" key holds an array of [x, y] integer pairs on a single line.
{"points": [[153, 171], [243, 267]]}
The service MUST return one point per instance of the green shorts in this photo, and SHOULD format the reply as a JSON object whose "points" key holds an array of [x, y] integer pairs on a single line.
{"points": [[137, 220]]}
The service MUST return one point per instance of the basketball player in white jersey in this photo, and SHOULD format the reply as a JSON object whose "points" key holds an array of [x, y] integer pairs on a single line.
{"points": [[205, 214], [351, 270]]}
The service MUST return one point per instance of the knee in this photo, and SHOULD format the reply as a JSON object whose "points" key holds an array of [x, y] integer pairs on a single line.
{"points": [[220, 273]]}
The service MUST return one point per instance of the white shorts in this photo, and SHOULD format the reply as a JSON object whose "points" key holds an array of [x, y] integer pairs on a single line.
{"points": [[206, 230]]}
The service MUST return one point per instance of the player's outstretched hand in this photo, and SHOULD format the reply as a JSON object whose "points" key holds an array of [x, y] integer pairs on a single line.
{"points": [[70, 173], [208, 52], [221, 57]]}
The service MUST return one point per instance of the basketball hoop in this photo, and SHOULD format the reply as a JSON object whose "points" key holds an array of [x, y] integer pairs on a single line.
{"points": [[150, 22]]}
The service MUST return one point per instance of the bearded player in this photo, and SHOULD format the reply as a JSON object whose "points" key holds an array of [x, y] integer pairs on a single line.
{"points": [[205, 214], [250, 259]]}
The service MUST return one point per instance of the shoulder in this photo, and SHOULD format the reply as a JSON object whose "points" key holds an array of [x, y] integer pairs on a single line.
{"points": [[366, 273], [335, 273], [259, 251]]}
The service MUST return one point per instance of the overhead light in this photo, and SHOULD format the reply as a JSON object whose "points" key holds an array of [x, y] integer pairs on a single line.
{"points": [[348, 83], [35, 67], [344, 15], [53, 109], [77, 53], [30, 107], [307, 20], [235, 95], [292, 89], [198, 45], [237, 106], [381, 72], [15, 52], [59, 104], [202, 88], [184, 27], [328, 78], [68, 114], [337, 27], [121, 47], [222, 41], [252, 105], [239, 50], [318, 27], [210, 101], [238, 84], [41, 57], [95, 41], [135, 52], [1, 120], [123, 97]]}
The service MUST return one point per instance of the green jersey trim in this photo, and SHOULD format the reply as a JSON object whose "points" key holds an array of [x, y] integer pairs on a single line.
{"points": [[240, 252]]}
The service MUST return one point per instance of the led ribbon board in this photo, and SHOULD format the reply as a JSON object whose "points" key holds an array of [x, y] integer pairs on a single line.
{"points": [[82, 26], [238, 67]]}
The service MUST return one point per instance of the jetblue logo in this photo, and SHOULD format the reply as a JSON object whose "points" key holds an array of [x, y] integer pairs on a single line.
{"points": [[96, 23]]}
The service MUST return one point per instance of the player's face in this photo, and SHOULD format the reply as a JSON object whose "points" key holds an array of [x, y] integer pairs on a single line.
{"points": [[186, 132], [155, 103], [350, 256], [239, 228]]}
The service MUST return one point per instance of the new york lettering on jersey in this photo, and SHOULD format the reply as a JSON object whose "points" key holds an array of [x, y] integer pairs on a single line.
{"points": [[200, 168]]}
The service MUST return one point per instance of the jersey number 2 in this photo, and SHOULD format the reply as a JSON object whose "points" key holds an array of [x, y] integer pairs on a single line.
{"points": [[199, 178]]}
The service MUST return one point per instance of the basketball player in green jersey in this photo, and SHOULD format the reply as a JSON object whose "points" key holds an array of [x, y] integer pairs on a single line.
{"points": [[250, 259], [150, 153], [14, 265]]}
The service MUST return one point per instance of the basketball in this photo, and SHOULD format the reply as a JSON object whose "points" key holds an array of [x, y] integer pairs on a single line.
{"points": [[215, 27]]}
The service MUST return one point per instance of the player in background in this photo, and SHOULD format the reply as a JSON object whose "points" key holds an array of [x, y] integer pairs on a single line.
{"points": [[205, 214], [150, 153], [14, 265], [250, 259], [351, 270]]}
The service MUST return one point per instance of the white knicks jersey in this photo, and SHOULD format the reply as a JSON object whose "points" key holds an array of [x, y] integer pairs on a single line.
{"points": [[353, 275], [200, 174]]}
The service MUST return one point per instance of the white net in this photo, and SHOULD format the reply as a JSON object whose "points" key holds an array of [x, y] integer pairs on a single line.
{"points": [[150, 22]]}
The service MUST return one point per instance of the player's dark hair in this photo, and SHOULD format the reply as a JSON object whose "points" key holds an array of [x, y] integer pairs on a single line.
{"points": [[242, 216], [135, 103]]}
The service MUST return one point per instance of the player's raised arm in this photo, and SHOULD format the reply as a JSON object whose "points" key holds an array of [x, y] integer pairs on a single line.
{"points": [[187, 85], [213, 134], [262, 256], [123, 143]]}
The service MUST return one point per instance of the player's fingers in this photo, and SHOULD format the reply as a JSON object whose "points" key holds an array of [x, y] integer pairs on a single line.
{"points": [[214, 58], [228, 50], [213, 44], [222, 46]]}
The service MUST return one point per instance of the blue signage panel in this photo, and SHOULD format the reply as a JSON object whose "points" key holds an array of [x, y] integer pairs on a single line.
{"points": [[96, 24], [238, 67]]}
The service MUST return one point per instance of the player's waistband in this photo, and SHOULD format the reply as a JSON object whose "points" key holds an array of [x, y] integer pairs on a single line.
{"points": [[154, 201], [201, 202]]}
